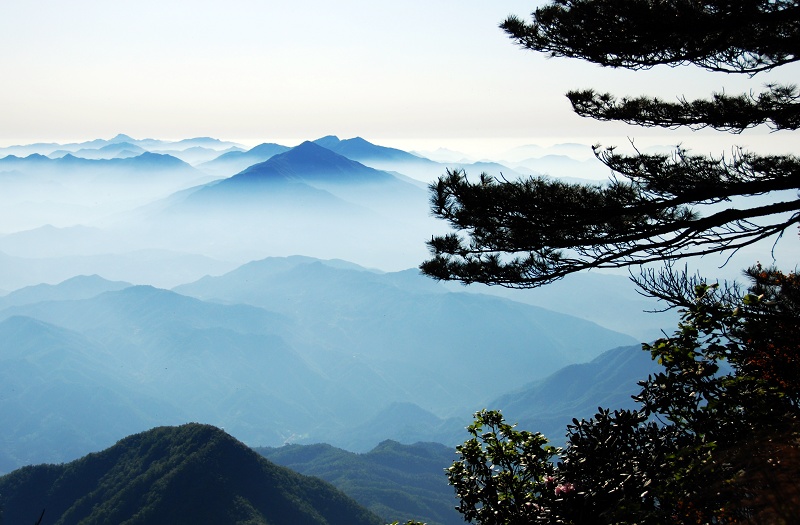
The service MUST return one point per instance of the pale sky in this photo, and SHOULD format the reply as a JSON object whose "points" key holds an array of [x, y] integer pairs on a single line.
{"points": [[413, 74]]}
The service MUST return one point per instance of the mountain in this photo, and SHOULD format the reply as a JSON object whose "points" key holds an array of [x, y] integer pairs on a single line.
{"points": [[576, 391], [86, 148], [196, 155], [337, 174], [417, 167], [120, 138], [432, 345], [365, 152], [234, 162], [80, 287], [306, 200], [383, 158], [395, 481], [312, 163], [282, 350], [376, 479], [48, 148], [136, 307], [302, 174], [110, 151], [152, 161], [70, 191], [73, 163], [206, 143], [202, 142], [229, 365], [546, 405], [13, 162], [179, 475], [65, 395]]}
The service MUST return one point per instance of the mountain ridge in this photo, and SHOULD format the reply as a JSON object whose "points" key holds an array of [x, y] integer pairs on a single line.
{"points": [[179, 475], [78, 287], [395, 480], [298, 350], [309, 162]]}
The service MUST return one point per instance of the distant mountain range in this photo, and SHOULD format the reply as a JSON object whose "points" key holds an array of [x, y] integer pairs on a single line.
{"points": [[365, 152], [280, 350], [394, 481], [307, 200], [418, 316], [79, 287], [178, 475], [39, 191], [328, 198], [224, 159], [297, 174], [271, 292], [377, 478], [110, 151], [233, 162], [92, 146], [145, 162]]}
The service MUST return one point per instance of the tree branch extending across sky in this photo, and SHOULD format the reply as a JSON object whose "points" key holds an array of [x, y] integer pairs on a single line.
{"points": [[525, 233]]}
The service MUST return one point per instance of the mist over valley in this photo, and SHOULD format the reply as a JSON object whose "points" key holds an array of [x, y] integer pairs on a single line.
{"points": [[273, 292]]}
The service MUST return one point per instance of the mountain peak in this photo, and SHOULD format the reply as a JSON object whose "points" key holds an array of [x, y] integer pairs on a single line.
{"points": [[267, 147], [152, 160], [362, 150], [311, 148], [187, 474], [359, 141], [328, 141], [78, 287], [121, 137], [308, 145], [310, 162]]}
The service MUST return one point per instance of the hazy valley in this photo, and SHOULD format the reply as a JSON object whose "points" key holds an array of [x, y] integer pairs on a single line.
{"points": [[273, 292]]}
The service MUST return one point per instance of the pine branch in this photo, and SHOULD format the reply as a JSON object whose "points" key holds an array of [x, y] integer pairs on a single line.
{"points": [[778, 108], [742, 36], [532, 232]]}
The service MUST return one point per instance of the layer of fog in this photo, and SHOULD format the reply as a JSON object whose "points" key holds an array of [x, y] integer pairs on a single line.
{"points": [[131, 210]]}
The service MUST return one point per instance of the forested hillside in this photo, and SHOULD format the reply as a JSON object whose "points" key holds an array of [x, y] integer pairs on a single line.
{"points": [[182, 475], [398, 482]]}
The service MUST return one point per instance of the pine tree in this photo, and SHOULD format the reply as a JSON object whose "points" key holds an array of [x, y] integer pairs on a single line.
{"points": [[525, 233]]}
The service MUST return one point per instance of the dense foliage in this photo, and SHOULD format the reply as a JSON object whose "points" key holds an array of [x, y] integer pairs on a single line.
{"points": [[715, 439], [732, 36], [658, 207]]}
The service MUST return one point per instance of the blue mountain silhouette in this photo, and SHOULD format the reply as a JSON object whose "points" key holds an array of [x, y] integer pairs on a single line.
{"points": [[310, 162], [307, 175], [146, 160], [234, 162], [359, 149]]}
